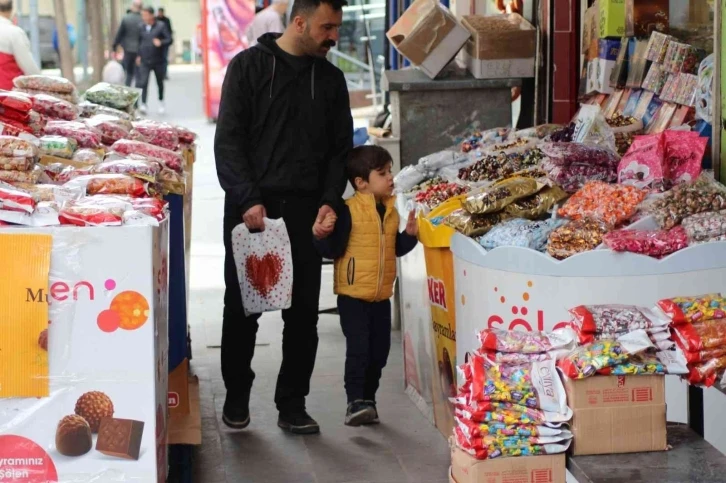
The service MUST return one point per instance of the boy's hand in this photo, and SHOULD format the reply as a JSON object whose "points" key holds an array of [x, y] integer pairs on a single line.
{"points": [[323, 229], [412, 224]]}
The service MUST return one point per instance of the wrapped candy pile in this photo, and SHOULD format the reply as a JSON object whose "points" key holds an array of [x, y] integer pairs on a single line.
{"points": [[502, 410]]}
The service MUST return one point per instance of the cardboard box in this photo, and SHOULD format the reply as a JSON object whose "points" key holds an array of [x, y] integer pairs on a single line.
{"points": [[501, 46], [608, 49], [643, 17], [525, 469], [590, 29], [598, 76], [617, 414], [428, 35], [612, 18], [107, 304]]}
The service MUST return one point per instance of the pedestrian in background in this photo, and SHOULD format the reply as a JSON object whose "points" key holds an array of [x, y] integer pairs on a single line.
{"points": [[153, 38], [16, 58], [161, 17], [127, 38], [268, 21]]}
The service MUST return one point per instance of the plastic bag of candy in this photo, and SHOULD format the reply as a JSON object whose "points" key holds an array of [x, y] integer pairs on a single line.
{"points": [[520, 233], [704, 226], [111, 128], [702, 335], [644, 165], [186, 136], [58, 146], [171, 159], [473, 225], [86, 136], [478, 430], [112, 184], [14, 115], [525, 342], [94, 211], [505, 383], [705, 372], [171, 182], [15, 100], [13, 198], [50, 192], [654, 243], [15, 163], [684, 152], [516, 358], [686, 310], [507, 413], [702, 195], [490, 447], [587, 360], [37, 122], [87, 156], [17, 148], [156, 133], [45, 214], [61, 173], [71, 97], [89, 109], [639, 365], [435, 194], [54, 108], [110, 95], [11, 128], [615, 318], [45, 83], [701, 355], [538, 205], [612, 204], [672, 360], [575, 237], [498, 196], [566, 154], [145, 170], [12, 176], [573, 177]]}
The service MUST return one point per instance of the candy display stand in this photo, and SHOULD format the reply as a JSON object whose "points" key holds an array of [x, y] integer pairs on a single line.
{"points": [[519, 288]]}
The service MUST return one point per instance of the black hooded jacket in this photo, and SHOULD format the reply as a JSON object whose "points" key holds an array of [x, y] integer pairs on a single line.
{"points": [[284, 128]]}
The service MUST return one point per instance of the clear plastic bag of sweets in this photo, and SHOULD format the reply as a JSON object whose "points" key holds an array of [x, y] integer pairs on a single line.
{"points": [[615, 318], [612, 204], [520, 233], [525, 342], [497, 197], [685, 310], [654, 243], [587, 360]]}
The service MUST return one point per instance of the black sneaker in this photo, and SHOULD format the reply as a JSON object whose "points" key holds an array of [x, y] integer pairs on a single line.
{"points": [[298, 422], [375, 420], [236, 412], [359, 412]]}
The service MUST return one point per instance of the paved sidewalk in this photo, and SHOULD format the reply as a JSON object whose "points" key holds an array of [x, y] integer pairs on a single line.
{"points": [[404, 448]]}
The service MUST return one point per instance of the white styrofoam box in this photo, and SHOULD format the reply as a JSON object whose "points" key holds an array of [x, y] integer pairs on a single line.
{"points": [[499, 69]]}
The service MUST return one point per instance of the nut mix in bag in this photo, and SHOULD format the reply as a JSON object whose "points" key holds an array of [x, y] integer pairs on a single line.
{"points": [[497, 197], [59, 146], [473, 225], [575, 237], [13, 176], [654, 243], [15, 164], [54, 108], [612, 204], [687, 310], [520, 233], [537, 205], [45, 83], [704, 194]]}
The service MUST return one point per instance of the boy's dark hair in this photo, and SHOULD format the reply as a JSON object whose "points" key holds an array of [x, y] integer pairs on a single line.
{"points": [[306, 7], [363, 160], [6, 6]]}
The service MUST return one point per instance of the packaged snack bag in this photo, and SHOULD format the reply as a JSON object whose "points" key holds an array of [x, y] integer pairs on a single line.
{"points": [[705, 226], [58, 146], [684, 152], [644, 164], [702, 195], [473, 225], [13, 147], [114, 96], [94, 211], [111, 128], [87, 156], [587, 360], [171, 159], [615, 318], [45, 83], [700, 336], [112, 184], [520, 233], [86, 136], [498, 196], [156, 133], [654, 243], [15, 164], [612, 204], [54, 108], [71, 97], [686, 310], [13, 198], [536, 206], [144, 170], [15, 100], [575, 237], [526, 342]]}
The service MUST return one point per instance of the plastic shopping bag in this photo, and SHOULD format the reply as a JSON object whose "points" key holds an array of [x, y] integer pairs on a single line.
{"points": [[264, 267]]}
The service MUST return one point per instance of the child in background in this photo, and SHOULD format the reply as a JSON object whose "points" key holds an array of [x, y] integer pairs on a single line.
{"points": [[364, 244]]}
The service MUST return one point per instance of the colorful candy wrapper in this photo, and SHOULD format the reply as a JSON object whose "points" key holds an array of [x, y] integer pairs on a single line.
{"points": [[507, 413], [699, 336], [640, 365], [575, 237], [702, 195], [520, 233], [615, 318], [704, 373], [478, 430], [702, 355], [685, 310], [612, 204], [585, 361], [490, 447], [526, 342], [705, 226], [653, 243], [496, 197], [473, 225], [13, 198]]}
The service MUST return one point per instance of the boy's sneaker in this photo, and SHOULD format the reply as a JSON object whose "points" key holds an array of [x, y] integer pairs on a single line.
{"points": [[142, 108], [375, 420], [359, 412], [298, 422], [236, 412]]}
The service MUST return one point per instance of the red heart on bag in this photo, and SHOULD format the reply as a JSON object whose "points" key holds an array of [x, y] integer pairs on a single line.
{"points": [[263, 273]]}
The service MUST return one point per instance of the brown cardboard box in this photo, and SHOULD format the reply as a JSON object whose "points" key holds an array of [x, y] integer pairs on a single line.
{"points": [[525, 469], [643, 17], [428, 35], [617, 414], [590, 32], [500, 46]]}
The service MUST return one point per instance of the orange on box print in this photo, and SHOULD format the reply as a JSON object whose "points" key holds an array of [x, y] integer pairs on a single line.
{"points": [[25, 262]]}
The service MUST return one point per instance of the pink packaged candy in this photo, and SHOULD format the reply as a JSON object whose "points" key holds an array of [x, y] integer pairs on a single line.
{"points": [[111, 128], [654, 243], [54, 108], [684, 153], [643, 165], [156, 133], [171, 159], [86, 136]]}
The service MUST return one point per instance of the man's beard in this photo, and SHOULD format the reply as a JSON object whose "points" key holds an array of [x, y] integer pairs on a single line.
{"points": [[314, 48]]}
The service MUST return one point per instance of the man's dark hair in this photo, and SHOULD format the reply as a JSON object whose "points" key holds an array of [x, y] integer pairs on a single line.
{"points": [[363, 160], [161, 11], [150, 10], [6, 6], [306, 7]]}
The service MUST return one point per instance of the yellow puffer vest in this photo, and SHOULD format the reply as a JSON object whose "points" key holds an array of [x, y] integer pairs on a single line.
{"points": [[368, 268]]}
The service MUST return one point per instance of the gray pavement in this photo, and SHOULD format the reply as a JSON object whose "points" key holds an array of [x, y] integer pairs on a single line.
{"points": [[404, 448]]}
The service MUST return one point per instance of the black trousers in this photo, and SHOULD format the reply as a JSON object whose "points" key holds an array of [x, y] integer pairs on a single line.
{"points": [[145, 70], [367, 330], [300, 333], [129, 65]]}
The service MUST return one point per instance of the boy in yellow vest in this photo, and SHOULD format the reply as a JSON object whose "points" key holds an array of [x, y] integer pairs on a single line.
{"points": [[364, 245]]}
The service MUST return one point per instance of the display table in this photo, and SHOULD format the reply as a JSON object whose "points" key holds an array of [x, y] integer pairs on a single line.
{"points": [[429, 115]]}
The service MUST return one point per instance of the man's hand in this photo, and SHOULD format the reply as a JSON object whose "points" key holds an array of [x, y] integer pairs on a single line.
{"points": [[320, 229], [138, 60], [412, 224], [157, 42], [254, 218]]}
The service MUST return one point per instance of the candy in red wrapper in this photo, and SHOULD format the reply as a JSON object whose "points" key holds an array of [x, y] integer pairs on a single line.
{"points": [[702, 335], [15, 100], [705, 372], [654, 243], [14, 115], [54, 108], [684, 154], [611, 204], [525, 342], [591, 319], [13, 198], [171, 159], [86, 136], [156, 133], [643, 165], [111, 128], [94, 211], [685, 310]]}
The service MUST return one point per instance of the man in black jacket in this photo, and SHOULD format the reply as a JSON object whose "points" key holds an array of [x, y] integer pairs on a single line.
{"points": [[154, 37], [127, 37], [283, 132]]}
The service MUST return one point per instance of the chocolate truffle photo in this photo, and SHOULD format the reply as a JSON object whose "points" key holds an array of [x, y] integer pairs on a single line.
{"points": [[120, 438], [43, 340], [93, 407], [73, 436]]}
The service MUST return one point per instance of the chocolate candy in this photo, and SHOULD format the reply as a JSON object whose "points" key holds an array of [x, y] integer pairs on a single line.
{"points": [[705, 226], [94, 406], [575, 237], [473, 225], [120, 438], [535, 206], [436, 194], [689, 199], [495, 198], [73, 436]]}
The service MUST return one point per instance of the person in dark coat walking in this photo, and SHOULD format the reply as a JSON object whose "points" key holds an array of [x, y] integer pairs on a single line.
{"points": [[283, 133], [161, 17], [127, 37], [153, 38]]}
